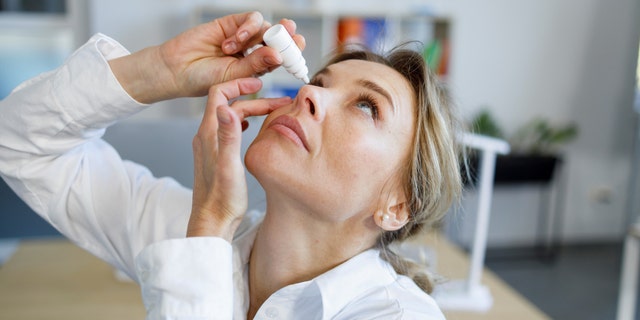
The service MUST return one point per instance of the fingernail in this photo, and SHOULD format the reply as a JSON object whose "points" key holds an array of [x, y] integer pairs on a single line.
{"points": [[281, 102], [286, 100], [223, 115], [230, 46], [243, 36]]}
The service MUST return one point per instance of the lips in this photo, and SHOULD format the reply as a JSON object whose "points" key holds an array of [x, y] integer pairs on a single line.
{"points": [[290, 128]]}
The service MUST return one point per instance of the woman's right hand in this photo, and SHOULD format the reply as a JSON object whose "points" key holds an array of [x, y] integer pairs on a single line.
{"points": [[203, 56], [220, 190]]}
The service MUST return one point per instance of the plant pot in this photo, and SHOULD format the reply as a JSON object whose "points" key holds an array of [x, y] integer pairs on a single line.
{"points": [[517, 168]]}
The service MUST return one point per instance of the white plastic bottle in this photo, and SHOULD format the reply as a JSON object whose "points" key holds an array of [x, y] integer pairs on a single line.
{"points": [[278, 38]]}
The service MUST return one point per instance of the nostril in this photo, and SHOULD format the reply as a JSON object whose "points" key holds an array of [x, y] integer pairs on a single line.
{"points": [[312, 107]]}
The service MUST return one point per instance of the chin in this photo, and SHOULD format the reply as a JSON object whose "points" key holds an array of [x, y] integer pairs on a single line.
{"points": [[268, 164], [280, 175]]}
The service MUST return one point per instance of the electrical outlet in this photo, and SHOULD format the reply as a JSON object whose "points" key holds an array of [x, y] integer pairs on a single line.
{"points": [[601, 195]]}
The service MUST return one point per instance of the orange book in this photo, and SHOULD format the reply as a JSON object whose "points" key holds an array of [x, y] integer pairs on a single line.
{"points": [[443, 67], [350, 31]]}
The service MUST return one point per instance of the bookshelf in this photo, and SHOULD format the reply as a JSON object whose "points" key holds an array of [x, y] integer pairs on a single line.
{"points": [[326, 23]]}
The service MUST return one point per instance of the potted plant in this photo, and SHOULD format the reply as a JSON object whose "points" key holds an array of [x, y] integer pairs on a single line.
{"points": [[535, 148]]}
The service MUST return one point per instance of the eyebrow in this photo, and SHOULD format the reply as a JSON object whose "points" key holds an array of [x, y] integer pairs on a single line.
{"points": [[375, 87], [367, 84], [324, 72]]}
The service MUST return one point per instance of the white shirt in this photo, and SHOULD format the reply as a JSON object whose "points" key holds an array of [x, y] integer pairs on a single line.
{"points": [[53, 157]]}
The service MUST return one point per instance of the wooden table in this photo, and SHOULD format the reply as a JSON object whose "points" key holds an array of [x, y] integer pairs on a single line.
{"points": [[53, 279], [453, 263]]}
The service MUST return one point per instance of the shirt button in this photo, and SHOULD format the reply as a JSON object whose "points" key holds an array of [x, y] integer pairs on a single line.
{"points": [[271, 313]]}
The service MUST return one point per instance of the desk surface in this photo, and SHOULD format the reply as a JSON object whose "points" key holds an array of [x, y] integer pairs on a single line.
{"points": [[54, 279], [453, 263]]}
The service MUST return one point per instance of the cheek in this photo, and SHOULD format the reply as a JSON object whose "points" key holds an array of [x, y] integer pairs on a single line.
{"points": [[363, 161]]}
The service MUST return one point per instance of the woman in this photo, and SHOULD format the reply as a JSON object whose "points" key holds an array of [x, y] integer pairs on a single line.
{"points": [[363, 156]]}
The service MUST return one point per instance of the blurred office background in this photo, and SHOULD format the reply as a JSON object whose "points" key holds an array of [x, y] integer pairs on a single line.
{"points": [[566, 62]]}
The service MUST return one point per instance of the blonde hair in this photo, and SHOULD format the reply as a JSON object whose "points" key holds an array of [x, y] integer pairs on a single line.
{"points": [[431, 177]]}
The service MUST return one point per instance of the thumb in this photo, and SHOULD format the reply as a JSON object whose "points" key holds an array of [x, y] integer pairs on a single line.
{"points": [[229, 137]]}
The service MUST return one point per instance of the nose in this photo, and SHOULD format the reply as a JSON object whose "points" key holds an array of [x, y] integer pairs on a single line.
{"points": [[310, 101]]}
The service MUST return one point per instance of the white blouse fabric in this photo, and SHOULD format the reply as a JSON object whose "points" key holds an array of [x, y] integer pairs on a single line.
{"points": [[53, 157]]}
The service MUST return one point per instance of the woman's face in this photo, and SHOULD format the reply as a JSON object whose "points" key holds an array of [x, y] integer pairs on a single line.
{"points": [[337, 150]]}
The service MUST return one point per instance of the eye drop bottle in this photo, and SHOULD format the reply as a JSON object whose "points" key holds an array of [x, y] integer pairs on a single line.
{"points": [[278, 38]]}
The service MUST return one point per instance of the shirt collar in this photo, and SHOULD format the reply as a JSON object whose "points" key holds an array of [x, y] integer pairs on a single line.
{"points": [[242, 244], [344, 283], [337, 287]]}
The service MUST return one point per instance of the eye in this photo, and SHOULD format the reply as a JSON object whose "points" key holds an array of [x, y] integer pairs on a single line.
{"points": [[368, 105], [316, 81]]}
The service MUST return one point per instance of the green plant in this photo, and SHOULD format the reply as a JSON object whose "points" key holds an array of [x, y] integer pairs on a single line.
{"points": [[484, 123], [539, 136]]}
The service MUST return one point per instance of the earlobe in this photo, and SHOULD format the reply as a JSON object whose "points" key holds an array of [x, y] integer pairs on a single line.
{"points": [[393, 218]]}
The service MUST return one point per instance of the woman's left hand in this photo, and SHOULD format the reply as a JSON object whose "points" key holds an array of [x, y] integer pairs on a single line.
{"points": [[220, 190]]}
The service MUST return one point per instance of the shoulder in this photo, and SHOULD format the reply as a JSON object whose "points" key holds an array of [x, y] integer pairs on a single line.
{"points": [[401, 299]]}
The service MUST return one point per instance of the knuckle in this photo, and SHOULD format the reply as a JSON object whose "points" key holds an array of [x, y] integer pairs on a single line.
{"points": [[259, 67], [214, 90], [227, 138], [256, 16]]}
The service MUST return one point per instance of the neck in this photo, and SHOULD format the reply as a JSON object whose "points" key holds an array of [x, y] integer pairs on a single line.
{"points": [[293, 246]]}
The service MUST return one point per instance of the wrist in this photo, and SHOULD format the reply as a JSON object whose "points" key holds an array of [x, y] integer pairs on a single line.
{"points": [[144, 76], [208, 226]]}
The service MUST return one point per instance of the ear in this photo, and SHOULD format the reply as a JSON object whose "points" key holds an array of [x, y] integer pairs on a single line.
{"points": [[394, 215]]}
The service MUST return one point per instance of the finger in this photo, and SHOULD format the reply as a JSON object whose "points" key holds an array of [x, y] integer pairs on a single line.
{"points": [[209, 122], [291, 27], [259, 107], [259, 62], [229, 137], [229, 168], [300, 41], [229, 131], [248, 25], [220, 95]]}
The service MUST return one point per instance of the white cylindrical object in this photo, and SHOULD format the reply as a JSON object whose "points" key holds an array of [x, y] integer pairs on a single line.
{"points": [[488, 165], [278, 38], [629, 279]]}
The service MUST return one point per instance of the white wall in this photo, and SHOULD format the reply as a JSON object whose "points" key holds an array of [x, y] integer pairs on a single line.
{"points": [[567, 60], [571, 60], [143, 23]]}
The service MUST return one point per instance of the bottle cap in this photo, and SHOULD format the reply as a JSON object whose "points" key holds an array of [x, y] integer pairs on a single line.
{"points": [[277, 37]]}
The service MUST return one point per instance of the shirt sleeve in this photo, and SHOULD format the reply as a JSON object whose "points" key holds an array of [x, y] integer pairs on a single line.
{"points": [[188, 278], [53, 157]]}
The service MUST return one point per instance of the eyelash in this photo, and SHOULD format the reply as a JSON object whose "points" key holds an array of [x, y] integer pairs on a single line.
{"points": [[363, 97], [371, 102], [316, 82]]}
